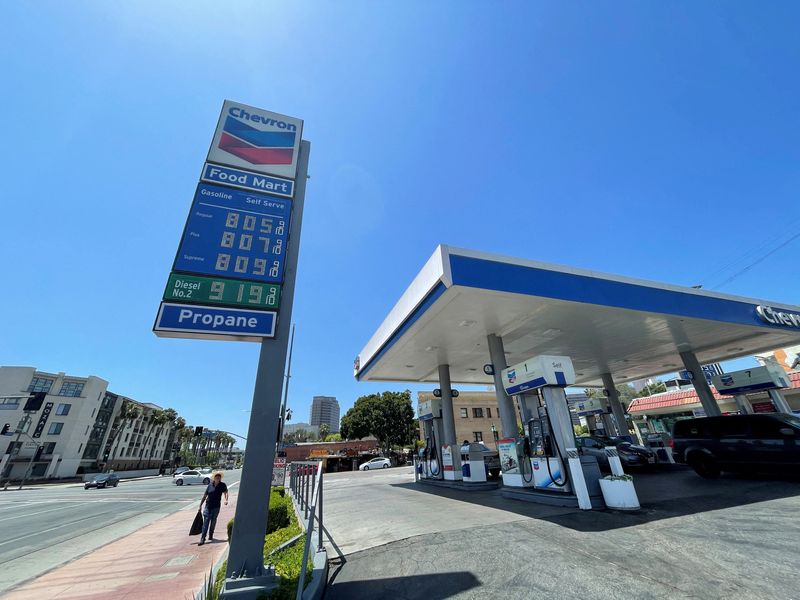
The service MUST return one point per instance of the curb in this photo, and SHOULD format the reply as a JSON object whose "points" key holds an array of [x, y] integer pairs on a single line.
{"points": [[201, 595], [319, 577]]}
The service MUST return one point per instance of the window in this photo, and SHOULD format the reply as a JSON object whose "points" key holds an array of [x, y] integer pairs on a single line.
{"points": [[488, 413], [49, 448], [71, 388], [464, 413], [733, 427], [80, 448], [63, 409], [767, 428], [478, 435], [55, 428], [9, 403], [40, 384], [126, 437], [477, 413]]}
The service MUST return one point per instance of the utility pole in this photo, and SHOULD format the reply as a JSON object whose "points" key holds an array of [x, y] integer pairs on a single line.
{"points": [[286, 390], [30, 462], [16, 448]]}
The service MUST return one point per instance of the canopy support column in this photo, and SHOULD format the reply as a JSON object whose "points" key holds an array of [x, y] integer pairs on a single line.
{"points": [[508, 417], [448, 418], [700, 384], [616, 406]]}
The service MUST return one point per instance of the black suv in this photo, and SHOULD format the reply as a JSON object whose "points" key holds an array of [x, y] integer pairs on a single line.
{"points": [[710, 445]]}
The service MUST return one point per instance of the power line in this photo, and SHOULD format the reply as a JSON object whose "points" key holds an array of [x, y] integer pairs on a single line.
{"points": [[757, 261], [752, 252]]}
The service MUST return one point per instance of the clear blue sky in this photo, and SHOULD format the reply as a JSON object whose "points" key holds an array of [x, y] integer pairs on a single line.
{"points": [[655, 140]]}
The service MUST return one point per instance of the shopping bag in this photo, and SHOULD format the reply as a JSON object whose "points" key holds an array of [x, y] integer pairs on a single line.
{"points": [[197, 524]]}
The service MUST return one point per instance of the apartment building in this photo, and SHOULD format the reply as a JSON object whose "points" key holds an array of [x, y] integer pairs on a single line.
{"points": [[325, 411], [79, 427]]}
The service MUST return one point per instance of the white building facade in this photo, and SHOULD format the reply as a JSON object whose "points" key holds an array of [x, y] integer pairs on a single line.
{"points": [[76, 429]]}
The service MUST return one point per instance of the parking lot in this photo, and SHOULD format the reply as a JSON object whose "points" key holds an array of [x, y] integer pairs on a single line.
{"points": [[735, 537]]}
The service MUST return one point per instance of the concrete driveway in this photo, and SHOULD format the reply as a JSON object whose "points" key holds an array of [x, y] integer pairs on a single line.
{"points": [[730, 538]]}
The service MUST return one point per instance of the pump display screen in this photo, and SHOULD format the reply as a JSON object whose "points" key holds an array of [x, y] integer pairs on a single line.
{"points": [[235, 234]]}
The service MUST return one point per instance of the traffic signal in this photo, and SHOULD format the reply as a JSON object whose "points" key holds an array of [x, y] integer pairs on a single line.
{"points": [[198, 431], [6, 427], [34, 402]]}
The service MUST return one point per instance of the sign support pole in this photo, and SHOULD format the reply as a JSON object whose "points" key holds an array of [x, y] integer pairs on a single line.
{"points": [[245, 571]]}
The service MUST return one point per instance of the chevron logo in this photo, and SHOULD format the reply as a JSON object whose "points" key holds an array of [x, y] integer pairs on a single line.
{"points": [[256, 146]]}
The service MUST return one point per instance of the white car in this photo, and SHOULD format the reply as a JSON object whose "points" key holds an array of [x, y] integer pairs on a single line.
{"points": [[190, 477], [376, 463]]}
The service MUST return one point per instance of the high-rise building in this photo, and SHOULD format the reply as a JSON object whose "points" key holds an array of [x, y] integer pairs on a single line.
{"points": [[325, 410]]}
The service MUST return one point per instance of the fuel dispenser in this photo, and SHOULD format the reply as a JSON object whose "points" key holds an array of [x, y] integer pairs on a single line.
{"points": [[430, 413], [548, 459], [549, 449], [473, 466]]}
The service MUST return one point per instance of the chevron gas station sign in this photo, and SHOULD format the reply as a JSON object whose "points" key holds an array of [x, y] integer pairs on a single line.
{"points": [[257, 140]]}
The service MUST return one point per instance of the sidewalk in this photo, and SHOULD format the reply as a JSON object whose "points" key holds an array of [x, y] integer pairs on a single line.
{"points": [[157, 562]]}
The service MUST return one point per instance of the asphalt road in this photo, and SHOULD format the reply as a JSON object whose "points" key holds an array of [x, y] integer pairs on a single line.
{"points": [[47, 526], [735, 537]]}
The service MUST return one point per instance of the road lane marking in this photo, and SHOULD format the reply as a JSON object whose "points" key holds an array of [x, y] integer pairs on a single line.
{"points": [[41, 512]]}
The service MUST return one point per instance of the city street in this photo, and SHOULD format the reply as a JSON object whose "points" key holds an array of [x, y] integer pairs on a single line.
{"points": [[46, 526]]}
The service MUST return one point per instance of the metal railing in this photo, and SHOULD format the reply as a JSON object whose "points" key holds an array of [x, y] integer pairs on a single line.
{"points": [[305, 487]]}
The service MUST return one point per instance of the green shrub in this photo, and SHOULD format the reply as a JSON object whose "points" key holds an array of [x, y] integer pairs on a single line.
{"points": [[281, 536], [288, 564], [218, 582], [280, 512]]}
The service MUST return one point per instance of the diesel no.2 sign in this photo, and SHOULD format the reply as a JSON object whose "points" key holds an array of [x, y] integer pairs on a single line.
{"points": [[234, 233], [220, 291]]}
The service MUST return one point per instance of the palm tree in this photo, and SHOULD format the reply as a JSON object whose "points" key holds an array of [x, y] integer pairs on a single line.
{"points": [[127, 414], [158, 419]]}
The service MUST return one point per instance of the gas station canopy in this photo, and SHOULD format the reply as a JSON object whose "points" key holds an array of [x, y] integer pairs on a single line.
{"points": [[606, 323]]}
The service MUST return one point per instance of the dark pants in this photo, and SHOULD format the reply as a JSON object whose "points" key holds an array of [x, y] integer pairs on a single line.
{"points": [[209, 522]]}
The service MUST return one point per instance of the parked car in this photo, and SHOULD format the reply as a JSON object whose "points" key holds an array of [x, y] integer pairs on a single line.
{"points": [[711, 445], [102, 480], [190, 477], [206, 470], [490, 457], [180, 470], [376, 463], [630, 455]]}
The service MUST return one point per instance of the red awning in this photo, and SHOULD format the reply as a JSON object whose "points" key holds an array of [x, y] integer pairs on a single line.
{"points": [[683, 397]]}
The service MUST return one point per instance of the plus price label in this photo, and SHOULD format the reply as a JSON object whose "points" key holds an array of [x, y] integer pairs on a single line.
{"points": [[235, 233]]}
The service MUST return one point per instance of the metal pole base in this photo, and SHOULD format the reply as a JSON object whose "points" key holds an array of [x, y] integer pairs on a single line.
{"points": [[249, 588]]}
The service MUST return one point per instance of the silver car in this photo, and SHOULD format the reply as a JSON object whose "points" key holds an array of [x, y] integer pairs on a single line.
{"points": [[190, 477]]}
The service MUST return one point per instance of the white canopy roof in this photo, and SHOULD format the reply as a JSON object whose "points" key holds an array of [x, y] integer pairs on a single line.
{"points": [[605, 323]]}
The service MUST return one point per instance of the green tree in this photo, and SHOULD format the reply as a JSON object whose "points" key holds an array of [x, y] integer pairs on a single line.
{"points": [[334, 437], [389, 416], [625, 392], [324, 431], [656, 387]]}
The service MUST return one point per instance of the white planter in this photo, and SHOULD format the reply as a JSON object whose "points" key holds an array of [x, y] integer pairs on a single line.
{"points": [[619, 494]]}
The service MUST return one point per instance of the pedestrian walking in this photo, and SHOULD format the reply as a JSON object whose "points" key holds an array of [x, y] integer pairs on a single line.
{"points": [[213, 500]]}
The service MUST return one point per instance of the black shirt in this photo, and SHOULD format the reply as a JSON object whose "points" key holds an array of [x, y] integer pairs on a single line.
{"points": [[215, 494]]}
